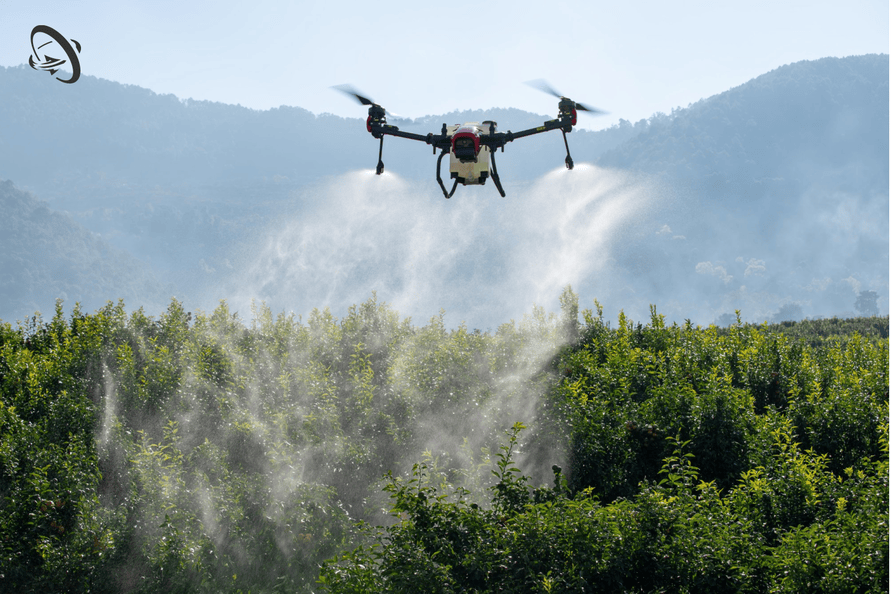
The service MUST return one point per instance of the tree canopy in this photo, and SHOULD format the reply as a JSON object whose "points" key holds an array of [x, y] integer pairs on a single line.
{"points": [[200, 452]]}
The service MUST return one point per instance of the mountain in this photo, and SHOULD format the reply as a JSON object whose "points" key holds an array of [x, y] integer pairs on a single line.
{"points": [[771, 197], [178, 182], [45, 255], [55, 136], [779, 188], [790, 123]]}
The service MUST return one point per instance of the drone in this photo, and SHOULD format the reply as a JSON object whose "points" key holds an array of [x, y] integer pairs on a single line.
{"points": [[471, 146]]}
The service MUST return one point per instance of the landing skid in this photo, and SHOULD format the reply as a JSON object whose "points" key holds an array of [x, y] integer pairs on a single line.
{"points": [[448, 194], [445, 193]]}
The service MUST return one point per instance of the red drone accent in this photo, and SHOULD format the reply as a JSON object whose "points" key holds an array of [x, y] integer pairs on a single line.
{"points": [[468, 132]]}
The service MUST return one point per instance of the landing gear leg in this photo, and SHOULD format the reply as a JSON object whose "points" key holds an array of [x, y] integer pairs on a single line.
{"points": [[445, 193], [569, 163], [380, 156], [495, 179]]}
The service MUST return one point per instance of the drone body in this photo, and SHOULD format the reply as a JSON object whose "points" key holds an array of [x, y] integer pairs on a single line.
{"points": [[471, 147], [473, 168]]}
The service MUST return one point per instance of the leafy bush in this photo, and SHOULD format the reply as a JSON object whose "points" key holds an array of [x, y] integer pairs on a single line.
{"points": [[196, 453]]}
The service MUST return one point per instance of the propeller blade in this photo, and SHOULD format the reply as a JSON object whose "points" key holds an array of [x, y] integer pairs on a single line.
{"points": [[352, 92], [591, 110], [364, 100], [544, 87]]}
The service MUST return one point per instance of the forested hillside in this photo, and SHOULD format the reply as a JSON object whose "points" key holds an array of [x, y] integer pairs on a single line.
{"points": [[210, 453], [45, 255], [777, 188], [102, 133], [770, 198], [793, 123], [190, 186]]}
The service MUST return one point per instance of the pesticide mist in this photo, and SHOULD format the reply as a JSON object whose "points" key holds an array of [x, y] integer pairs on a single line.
{"points": [[247, 445], [232, 451], [481, 258], [625, 239]]}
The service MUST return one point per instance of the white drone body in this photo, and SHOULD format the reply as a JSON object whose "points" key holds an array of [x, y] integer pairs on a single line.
{"points": [[470, 171]]}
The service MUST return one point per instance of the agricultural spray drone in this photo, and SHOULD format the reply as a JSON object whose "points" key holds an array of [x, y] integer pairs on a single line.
{"points": [[471, 146]]}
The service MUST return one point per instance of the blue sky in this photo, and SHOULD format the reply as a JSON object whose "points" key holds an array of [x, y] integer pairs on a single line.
{"points": [[629, 58]]}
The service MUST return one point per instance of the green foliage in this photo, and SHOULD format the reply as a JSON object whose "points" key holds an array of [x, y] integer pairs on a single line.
{"points": [[823, 332], [548, 542], [680, 535], [195, 453], [700, 460]]}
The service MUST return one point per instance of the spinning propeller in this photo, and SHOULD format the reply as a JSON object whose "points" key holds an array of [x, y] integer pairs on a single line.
{"points": [[364, 100], [544, 87], [352, 92]]}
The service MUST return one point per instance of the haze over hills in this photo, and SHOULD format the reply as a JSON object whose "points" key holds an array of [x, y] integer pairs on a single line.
{"points": [[46, 255], [99, 129], [771, 195], [781, 189]]}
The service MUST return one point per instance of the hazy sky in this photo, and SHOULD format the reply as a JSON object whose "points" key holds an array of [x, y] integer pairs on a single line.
{"points": [[629, 58]]}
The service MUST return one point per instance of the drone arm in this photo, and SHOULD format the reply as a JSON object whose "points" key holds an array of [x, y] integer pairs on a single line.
{"points": [[394, 131], [559, 124], [562, 123], [381, 130]]}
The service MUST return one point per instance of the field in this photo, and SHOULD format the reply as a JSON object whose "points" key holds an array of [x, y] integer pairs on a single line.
{"points": [[204, 453]]}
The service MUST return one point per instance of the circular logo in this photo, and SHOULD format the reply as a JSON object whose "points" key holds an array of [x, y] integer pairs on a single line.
{"points": [[47, 44]]}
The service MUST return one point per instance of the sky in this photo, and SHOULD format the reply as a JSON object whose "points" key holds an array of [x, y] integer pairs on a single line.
{"points": [[631, 59]]}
